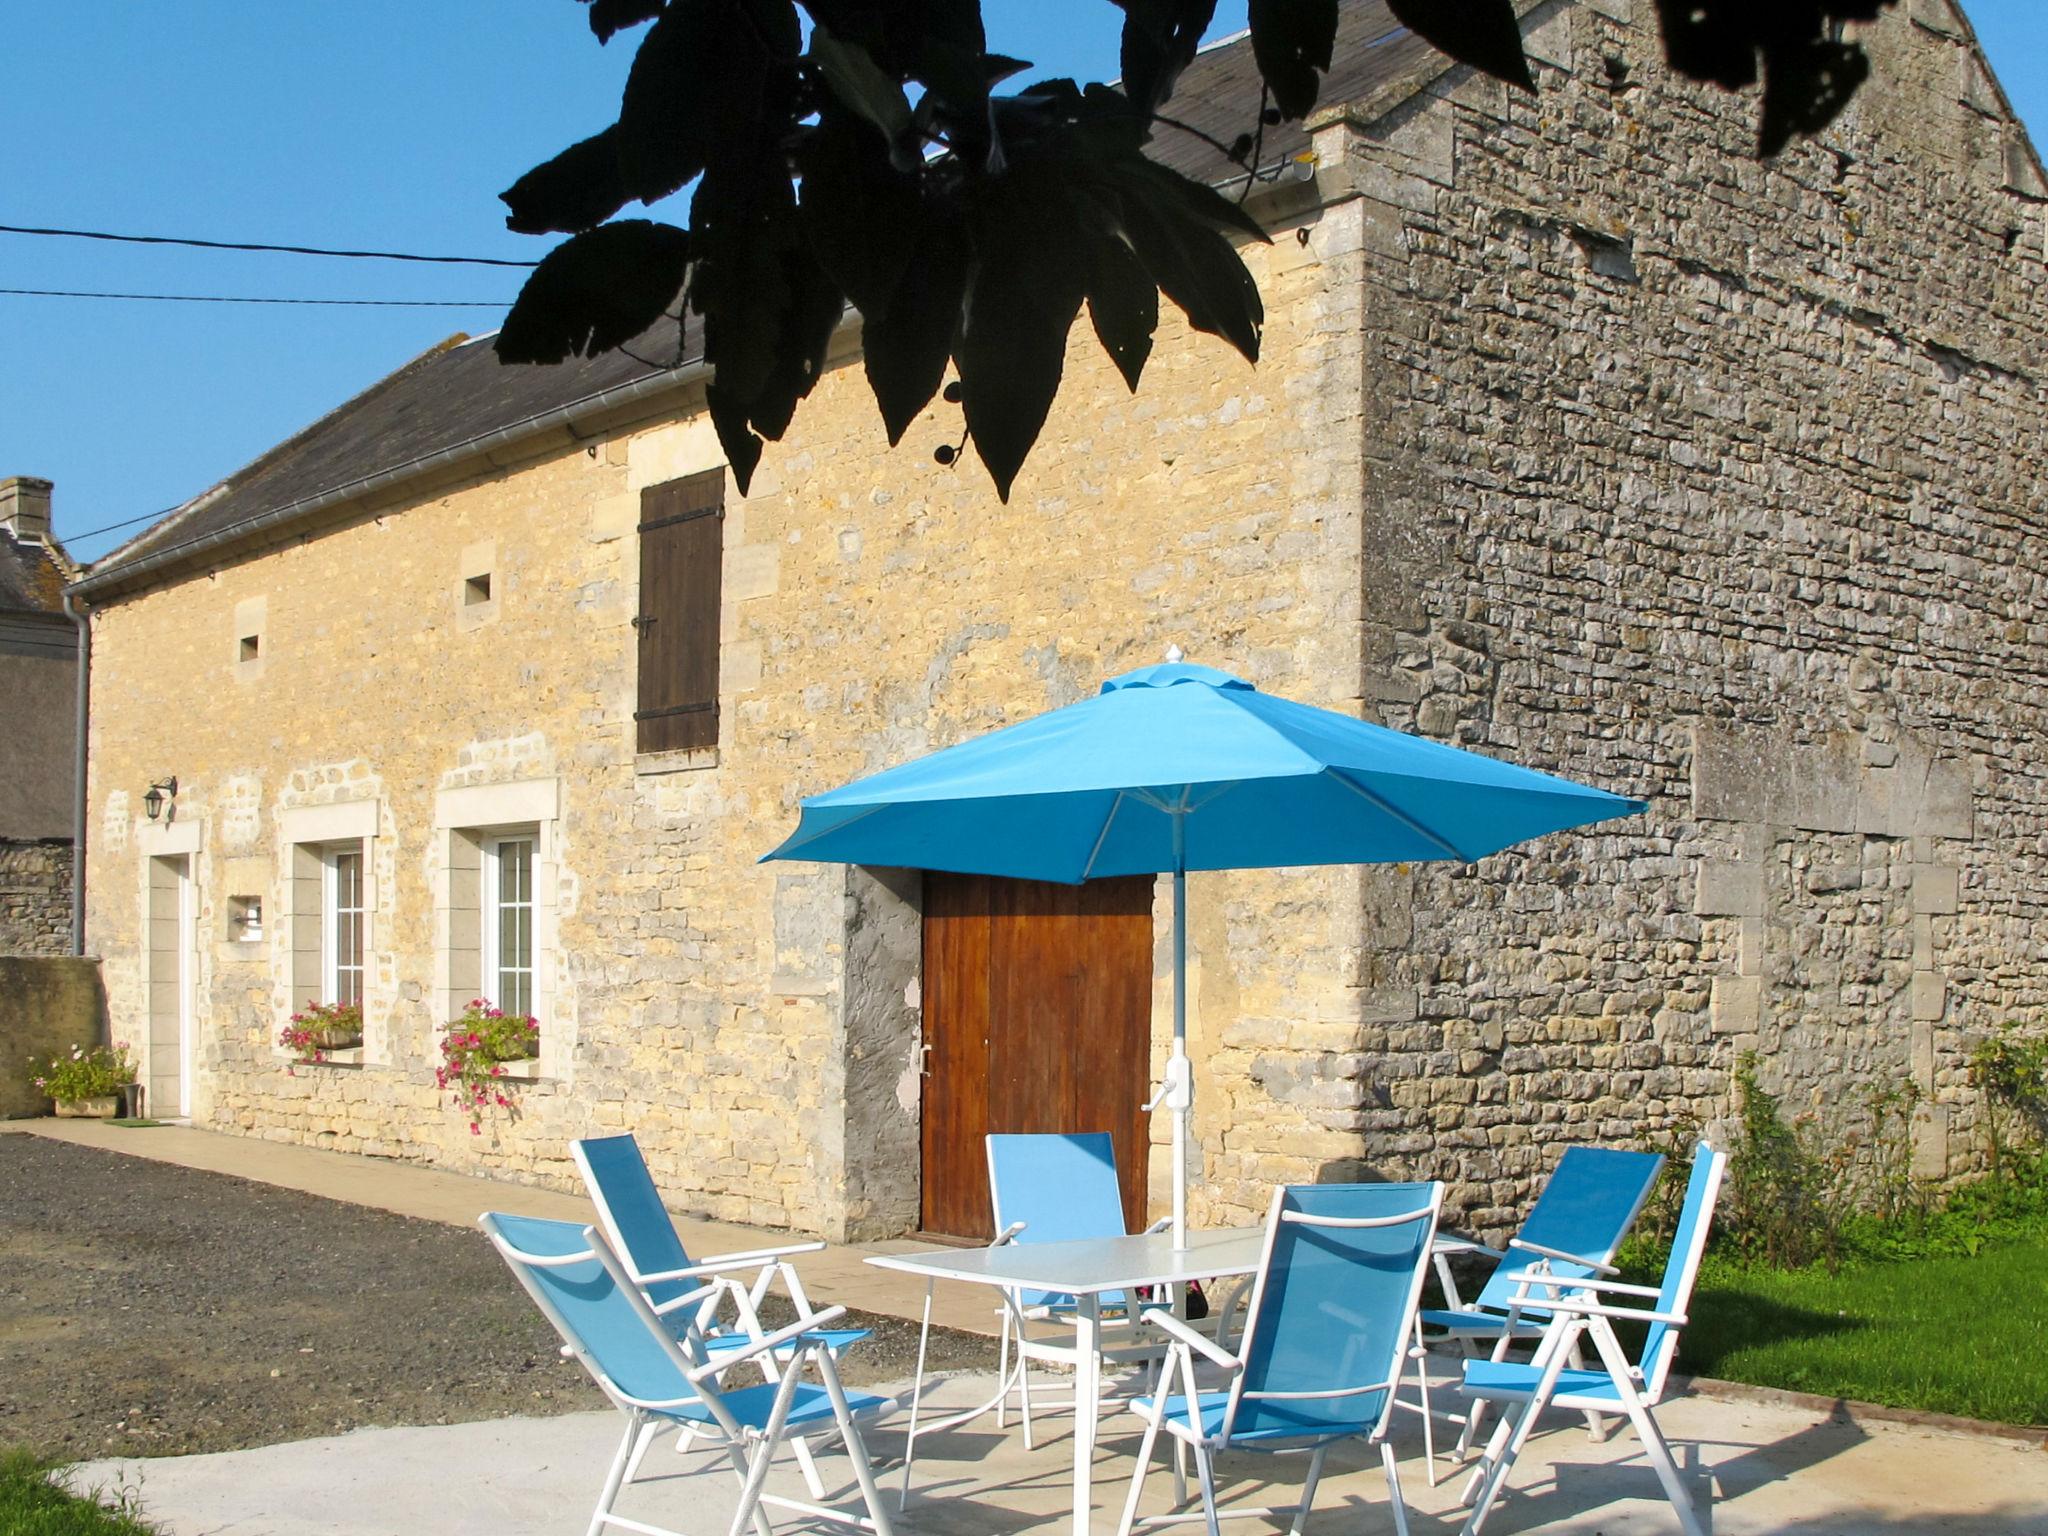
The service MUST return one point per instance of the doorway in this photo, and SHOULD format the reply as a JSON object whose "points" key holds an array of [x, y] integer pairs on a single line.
{"points": [[1037, 1017], [171, 1023]]}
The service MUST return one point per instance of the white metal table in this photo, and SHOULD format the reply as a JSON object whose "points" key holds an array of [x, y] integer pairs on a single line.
{"points": [[1085, 1270]]}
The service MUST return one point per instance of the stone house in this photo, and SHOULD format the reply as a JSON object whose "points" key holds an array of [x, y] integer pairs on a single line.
{"points": [[39, 702], [1579, 436]]}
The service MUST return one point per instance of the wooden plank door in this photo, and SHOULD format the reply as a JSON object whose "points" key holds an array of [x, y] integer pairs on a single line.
{"points": [[1037, 1017]]}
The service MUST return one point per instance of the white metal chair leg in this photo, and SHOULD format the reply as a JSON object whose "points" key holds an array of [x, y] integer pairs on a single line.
{"points": [[1024, 1388], [615, 1478], [1003, 1372], [738, 1457], [1180, 1472], [856, 1450], [1206, 1476], [764, 1443], [1476, 1419], [1428, 1419], [649, 1433], [1400, 1505], [1308, 1490], [1143, 1467], [807, 1463], [924, 1334]]}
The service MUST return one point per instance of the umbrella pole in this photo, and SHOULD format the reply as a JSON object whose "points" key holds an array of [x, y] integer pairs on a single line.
{"points": [[1179, 1078]]}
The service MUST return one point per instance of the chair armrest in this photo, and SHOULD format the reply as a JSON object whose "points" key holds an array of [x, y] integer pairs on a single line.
{"points": [[762, 1255], [773, 1341], [1578, 1283], [1174, 1328], [718, 1266], [663, 1308], [1008, 1234], [1159, 1226], [1448, 1244], [1523, 1245], [1579, 1306]]}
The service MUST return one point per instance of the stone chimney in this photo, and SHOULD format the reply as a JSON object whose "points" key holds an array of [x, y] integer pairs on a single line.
{"points": [[25, 508]]}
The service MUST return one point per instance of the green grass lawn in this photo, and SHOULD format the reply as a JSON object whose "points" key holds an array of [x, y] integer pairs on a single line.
{"points": [[32, 1505], [1948, 1334]]}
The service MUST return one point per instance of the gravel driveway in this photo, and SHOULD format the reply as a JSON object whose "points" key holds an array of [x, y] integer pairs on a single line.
{"points": [[152, 1310]]}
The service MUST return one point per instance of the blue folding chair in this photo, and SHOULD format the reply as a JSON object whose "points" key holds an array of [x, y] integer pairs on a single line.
{"points": [[659, 1379], [1045, 1187], [1051, 1188], [641, 1233], [1327, 1337], [1585, 1308], [1589, 1203]]}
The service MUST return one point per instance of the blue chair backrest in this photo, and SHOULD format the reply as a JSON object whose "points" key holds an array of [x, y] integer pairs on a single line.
{"points": [[1061, 1187], [590, 1309], [1587, 1207], [1333, 1307], [1688, 1246], [629, 1208]]}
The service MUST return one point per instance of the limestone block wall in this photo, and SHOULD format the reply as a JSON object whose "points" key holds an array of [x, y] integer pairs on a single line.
{"points": [[35, 897], [1716, 483], [757, 1027]]}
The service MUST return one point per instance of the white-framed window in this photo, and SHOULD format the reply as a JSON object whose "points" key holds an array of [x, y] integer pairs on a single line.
{"points": [[342, 913], [507, 922]]}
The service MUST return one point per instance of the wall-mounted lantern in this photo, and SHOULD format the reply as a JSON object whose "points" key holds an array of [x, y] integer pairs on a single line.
{"points": [[153, 802]]}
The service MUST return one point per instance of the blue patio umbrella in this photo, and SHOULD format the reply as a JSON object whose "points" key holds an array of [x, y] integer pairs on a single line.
{"points": [[1179, 767]]}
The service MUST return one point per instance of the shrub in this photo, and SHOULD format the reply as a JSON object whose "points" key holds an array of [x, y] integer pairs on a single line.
{"points": [[473, 1057], [98, 1073], [2011, 1072]]}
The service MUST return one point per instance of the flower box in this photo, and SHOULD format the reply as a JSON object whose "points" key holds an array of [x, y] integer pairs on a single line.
{"points": [[105, 1107]]}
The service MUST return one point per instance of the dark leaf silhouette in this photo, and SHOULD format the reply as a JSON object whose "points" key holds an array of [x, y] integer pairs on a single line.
{"points": [[596, 291], [1159, 41], [906, 346], [1805, 86], [1123, 304], [1292, 41], [1022, 297], [875, 164], [579, 189], [1809, 72], [1482, 33], [610, 17]]}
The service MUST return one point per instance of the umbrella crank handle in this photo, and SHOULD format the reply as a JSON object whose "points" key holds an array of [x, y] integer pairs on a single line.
{"points": [[1177, 1088]]}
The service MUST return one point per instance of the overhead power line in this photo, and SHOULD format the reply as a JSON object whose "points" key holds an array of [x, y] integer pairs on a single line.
{"points": [[256, 245], [229, 298], [93, 533]]}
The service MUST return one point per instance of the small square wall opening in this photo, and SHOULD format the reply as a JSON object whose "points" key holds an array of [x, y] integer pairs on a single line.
{"points": [[249, 648], [245, 919], [476, 590]]}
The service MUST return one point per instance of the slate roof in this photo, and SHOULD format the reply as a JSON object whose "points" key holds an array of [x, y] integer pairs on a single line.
{"points": [[459, 392], [32, 576]]}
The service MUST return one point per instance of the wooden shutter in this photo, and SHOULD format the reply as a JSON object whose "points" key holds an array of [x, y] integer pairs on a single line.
{"points": [[682, 538]]}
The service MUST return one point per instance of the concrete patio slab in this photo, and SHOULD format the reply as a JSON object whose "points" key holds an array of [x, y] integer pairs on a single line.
{"points": [[1765, 1469]]}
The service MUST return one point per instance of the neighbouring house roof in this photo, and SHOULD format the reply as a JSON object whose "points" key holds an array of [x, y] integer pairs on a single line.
{"points": [[32, 576], [458, 395]]}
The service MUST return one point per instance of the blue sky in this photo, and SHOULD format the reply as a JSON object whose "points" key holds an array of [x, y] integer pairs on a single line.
{"points": [[388, 124]]}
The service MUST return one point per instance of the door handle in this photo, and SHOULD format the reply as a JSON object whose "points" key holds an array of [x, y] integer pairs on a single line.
{"points": [[924, 1055]]}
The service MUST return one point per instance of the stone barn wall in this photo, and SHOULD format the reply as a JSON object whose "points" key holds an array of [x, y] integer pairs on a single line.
{"points": [[35, 897], [1716, 483]]}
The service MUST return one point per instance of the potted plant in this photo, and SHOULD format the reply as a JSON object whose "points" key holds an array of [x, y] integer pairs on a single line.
{"points": [[322, 1027], [88, 1083], [474, 1053]]}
